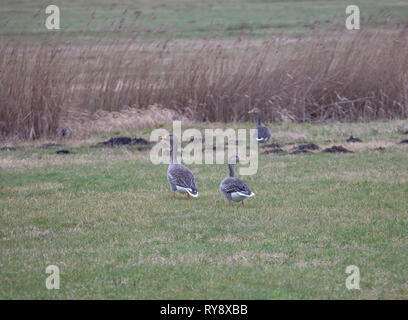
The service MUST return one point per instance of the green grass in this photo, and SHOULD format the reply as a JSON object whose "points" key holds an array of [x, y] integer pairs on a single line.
{"points": [[188, 18], [106, 218]]}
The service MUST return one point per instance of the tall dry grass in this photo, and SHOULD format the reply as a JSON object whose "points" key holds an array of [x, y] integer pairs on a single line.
{"points": [[333, 75]]}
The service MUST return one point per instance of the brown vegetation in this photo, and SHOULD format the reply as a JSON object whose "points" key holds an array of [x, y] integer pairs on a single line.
{"points": [[336, 75]]}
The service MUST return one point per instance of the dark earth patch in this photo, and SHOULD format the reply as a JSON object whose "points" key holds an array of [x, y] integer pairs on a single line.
{"points": [[274, 151], [299, 151], [305, 148], [337, 149], [63, 151], [122, 141], [354, 139], [272, 145], [140, 141], [404, 141], [143, 148], [308, 146]]}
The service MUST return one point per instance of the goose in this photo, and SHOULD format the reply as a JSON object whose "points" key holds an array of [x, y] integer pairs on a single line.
{"points": [[233, 188], [264, 134], [180, 178]]}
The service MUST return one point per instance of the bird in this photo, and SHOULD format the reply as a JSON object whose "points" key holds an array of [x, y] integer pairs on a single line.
{"points": [[233, 188], [180, 178], [263, 132]]}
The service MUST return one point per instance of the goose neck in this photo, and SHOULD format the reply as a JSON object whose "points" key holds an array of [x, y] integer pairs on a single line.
{"points": [[258, 119], [173, 155], [231, 170]]}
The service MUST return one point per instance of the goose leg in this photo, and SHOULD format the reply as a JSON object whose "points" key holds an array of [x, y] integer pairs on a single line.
{"points": [[243, 203], [174, 195], [188, 195], [229, 203]]}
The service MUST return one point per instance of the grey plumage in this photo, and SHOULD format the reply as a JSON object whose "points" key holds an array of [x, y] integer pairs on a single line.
{"points": [[179, 177], [263, 132], [233, 188], [229, 185]]}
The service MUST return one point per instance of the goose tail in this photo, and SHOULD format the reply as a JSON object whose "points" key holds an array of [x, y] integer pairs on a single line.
{"points": [[193, 193], [247, 195]]}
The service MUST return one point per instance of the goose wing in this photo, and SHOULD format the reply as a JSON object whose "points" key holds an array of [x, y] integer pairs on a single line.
{"points": [[264, 133], [181, 176], [230, 185]]}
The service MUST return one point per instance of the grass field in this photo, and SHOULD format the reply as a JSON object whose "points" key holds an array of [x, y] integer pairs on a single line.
{"points": [[256, 18], [106, 218]]}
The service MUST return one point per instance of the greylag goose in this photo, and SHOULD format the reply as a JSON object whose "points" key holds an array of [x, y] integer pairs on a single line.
{"points": [[180, 178], [264, 134], [233, 188]]}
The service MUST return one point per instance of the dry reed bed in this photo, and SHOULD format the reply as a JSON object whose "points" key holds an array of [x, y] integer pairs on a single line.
{"points": [[346, 76]]}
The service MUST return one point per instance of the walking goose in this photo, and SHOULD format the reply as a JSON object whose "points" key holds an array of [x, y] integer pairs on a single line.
{"points": [[180, 178], [233, 188], [264, 133]]}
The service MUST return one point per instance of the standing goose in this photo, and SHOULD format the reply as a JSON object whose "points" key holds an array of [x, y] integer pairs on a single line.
{"points": [[180, 178], [264, 133], [233, 188]]}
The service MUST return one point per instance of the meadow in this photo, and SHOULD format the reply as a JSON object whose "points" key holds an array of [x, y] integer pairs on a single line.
{"points": [[186, 19], [104, 215]]}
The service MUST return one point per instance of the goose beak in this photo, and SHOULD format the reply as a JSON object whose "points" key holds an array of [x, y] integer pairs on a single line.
{"points": [[163, 137], [241, 159], [251, 111]]}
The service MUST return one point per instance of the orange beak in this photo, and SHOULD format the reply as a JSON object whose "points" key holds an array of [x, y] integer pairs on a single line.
{"points": [[163, 137], [241, 159], [251, 111]]}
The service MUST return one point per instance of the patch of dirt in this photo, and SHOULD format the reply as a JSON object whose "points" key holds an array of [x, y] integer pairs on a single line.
{"points": [[63, 151], [141, 141], [354, 139], [305, 148], [116, 141], [299, 151], [337, 149], [122, 141], [308, 146], [143, 148], [274, 151], [379, 149], [271, 145], [404, 141]]}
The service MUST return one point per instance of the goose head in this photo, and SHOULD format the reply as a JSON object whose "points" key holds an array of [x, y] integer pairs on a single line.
{"points": [[171, 139], [255, 111], [235, 159]]}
